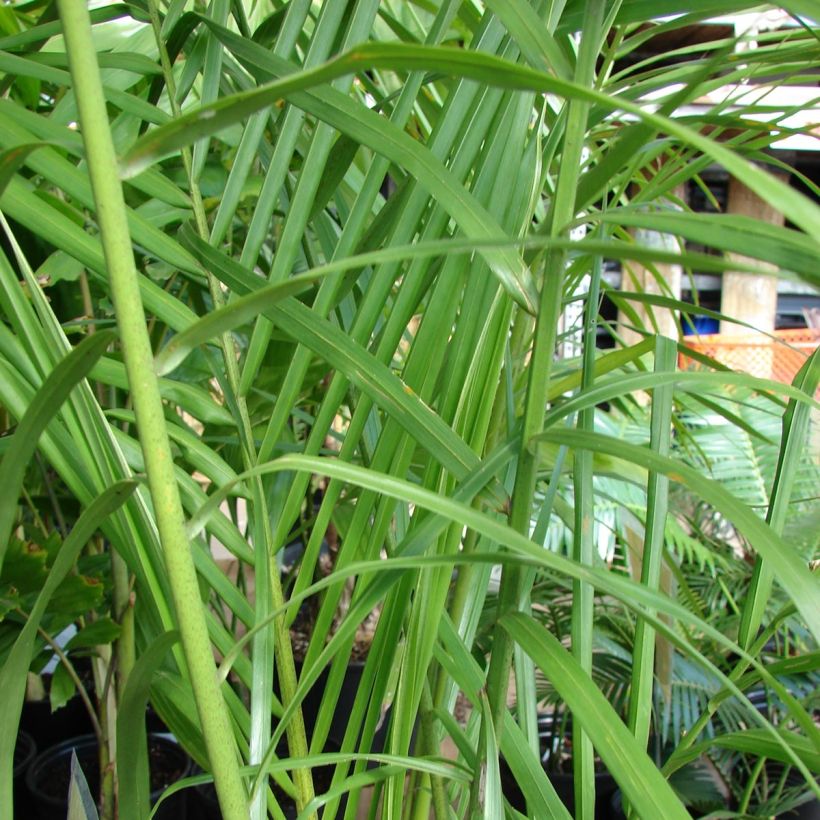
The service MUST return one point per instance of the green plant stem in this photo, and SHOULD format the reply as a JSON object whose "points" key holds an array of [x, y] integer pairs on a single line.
{"points": [[72, 673], [511, 579], [123, 611], [35, 515], [52, 497], [105, 750], [103, 671], [540, 370], [657, 492], [754, 775], [116, 242], [583, 551], [269, 595], [428, 734], [640, 702]]}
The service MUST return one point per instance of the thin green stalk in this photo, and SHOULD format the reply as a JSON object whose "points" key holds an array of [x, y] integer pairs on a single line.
{"points": [[430, 748], [795, 429], [540, 367], [540, 371], [107, 787], [657, 496], [273, 641], [72, 673], [106, 747], [583, 594], [123, 612], [462, 603], [35, 515], [116, 242], [754, 776], [523, 491], [52, 497], [643, 655]]}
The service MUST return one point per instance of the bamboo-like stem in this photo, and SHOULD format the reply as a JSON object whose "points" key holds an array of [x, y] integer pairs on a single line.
{"points": [[275, 639], [583, 551], [657, 492], [123, 611], [116, 241], [540, 370], [106, 748], [750, 786], [431, 748], [640, 702]]}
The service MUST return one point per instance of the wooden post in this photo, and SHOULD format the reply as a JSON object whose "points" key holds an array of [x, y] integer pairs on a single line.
{"points": [[744, 296], [663, 279]]}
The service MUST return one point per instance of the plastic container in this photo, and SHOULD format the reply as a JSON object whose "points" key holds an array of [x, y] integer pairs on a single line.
{"points": [[48, 776], [25, 750]]}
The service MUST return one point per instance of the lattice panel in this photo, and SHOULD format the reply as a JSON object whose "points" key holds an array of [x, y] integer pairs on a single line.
{"points": [[778, 359]]}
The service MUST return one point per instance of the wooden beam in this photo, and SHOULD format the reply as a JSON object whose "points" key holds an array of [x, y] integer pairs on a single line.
{"points": [[744, 296], [662, 279]]}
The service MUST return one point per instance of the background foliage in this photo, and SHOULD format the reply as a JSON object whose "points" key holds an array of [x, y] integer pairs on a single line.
{"points": [[355, 227]]}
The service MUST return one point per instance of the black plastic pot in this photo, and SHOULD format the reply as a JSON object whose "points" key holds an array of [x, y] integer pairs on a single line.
{"points": [[344, 706], [48, 776], [206, 805], [805, 811], [554, 742], [25, 750], [617, 808], [563, 783], [70, 720], [49, 728]]}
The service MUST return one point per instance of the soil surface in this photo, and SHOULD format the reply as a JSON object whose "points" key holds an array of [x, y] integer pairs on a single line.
{"points": [[167, 764]]}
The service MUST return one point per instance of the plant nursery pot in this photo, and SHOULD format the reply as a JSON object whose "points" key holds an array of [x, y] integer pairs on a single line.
{"points": [[562, 781], [206, 805], [616, 803], [25, 750], [70, 720], [48, 776], [49, 728], [344, 707], [805, 811]]}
